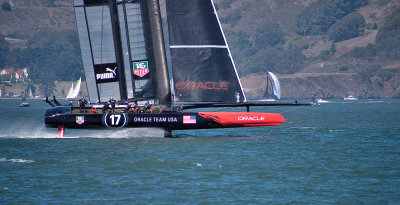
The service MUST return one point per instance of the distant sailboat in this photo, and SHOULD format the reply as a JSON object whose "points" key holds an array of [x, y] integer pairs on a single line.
{"points": [[74, 91], [30, 93], [71, 90], [24, 103], [273, 88]]}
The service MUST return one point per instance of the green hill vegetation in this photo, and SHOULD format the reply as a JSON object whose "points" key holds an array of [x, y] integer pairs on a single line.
{"points": [[359, 37], [350, 26], [48, 54], [387, 41], [319, 16]]}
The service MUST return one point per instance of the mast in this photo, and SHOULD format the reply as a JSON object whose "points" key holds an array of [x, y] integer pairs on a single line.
{"points": [[160, 80], [118, 49], [266, 94]]}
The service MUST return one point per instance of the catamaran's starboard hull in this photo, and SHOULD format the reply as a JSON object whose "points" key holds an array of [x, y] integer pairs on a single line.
{"points": [[167, 120]]}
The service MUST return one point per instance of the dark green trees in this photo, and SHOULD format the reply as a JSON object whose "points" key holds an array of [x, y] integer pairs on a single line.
{"points": [[320, 15], [350, 26]]}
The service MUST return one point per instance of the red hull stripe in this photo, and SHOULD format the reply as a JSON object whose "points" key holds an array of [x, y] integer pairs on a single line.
{"points": [[247, 119]]}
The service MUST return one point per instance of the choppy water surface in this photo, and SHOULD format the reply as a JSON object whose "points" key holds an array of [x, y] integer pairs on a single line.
{"points": [[333, 153]]}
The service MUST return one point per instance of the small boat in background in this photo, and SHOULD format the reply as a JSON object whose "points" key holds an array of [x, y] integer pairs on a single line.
{"points": [[322, 101], [24, 103], [350, 97]]}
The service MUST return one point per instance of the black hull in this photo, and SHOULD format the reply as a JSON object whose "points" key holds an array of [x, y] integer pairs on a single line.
{"points": [[168, 120]]}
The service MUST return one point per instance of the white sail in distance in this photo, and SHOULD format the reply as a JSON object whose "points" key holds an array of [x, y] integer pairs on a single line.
{"points": [[30, 93], [71, 90], [276, 85], [74, 91]]}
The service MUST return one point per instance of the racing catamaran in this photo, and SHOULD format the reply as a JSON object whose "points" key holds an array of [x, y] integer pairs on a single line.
{"points": [[124, 57]]}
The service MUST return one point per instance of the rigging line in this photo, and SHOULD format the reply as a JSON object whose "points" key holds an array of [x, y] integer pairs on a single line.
{"points": [[101, 40], [229, 51], [223, 109], [197, 46], [294, 108]]}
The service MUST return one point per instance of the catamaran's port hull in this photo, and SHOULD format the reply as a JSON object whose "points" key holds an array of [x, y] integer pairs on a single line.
{"points": [[166, 120]]}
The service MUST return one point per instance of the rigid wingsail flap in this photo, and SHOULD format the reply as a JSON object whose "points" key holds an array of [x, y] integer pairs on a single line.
{"points": [[203, 70]]}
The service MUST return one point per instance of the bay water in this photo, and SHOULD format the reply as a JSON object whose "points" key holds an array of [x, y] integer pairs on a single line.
{"points": [[335, 153]]}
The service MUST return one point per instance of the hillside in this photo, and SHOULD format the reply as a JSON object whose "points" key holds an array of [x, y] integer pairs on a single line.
{"points": [[312, 61], [28, 17], [327, 47]]}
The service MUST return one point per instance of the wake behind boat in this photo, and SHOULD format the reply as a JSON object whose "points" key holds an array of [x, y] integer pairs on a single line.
{"points": [[24, 104], [320, 100], [124, 58]]}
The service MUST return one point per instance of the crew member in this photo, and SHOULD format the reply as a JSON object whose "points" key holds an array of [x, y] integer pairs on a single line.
{"points": [[112, 103], [147, 108], [312, 100], [134, 108], [82, 102]]}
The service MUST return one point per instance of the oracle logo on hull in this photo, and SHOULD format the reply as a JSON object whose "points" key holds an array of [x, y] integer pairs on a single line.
{"points": [[201, 85], [251, 118]]}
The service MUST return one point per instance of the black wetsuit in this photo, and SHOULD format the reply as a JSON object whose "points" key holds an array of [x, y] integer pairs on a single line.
{"points": [[82, 102], [112, 103]]}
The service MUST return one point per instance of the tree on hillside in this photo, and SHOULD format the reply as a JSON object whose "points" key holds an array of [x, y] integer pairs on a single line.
{"points": [[6, 6], [268, 34], [4, 48], [267, 53], [319, 16], [276, 59], [239, 39], [55, 52], [232, 18], [226, 3], [386, 43], [388, 38], [349, 27]]}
